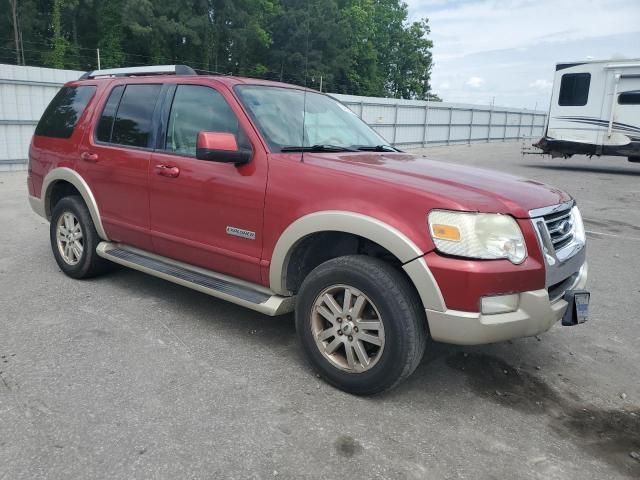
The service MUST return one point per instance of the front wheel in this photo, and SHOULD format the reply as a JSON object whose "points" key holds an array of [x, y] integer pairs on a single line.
{"points": [[361, 324]]}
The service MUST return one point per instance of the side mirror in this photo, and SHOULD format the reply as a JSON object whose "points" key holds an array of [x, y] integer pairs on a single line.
{"points": [[220, 147]]}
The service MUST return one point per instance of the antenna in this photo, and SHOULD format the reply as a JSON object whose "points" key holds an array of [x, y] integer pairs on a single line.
{"points": [[306, 66]]}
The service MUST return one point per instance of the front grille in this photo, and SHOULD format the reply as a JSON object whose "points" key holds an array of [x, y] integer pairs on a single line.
{"points": [[560, 227]]}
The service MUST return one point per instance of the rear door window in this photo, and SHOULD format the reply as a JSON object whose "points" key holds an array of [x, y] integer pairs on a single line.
{"points": [[134, 116], [574, 89], [64, 111]]}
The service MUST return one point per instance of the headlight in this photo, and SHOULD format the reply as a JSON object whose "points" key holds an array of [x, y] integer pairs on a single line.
{"points": [[578, 226], [477, 235]]}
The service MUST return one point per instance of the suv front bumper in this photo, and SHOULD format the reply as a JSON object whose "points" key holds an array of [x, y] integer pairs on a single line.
{"points": [[536, 313]]}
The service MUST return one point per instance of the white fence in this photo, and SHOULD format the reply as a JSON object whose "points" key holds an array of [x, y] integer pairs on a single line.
{"points": [[26, 91], [415, 123]]}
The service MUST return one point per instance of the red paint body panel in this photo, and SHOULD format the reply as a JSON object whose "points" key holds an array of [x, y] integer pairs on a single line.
{"points": [[183, 212], [46, 153], [190, 213], [463, 281]]}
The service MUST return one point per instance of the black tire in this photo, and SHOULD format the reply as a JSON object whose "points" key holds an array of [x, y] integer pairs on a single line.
{"points": [[89, 264], [399, 307]]}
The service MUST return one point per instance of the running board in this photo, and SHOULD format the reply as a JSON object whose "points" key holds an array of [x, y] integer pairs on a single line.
{"points": [[240, 292]]}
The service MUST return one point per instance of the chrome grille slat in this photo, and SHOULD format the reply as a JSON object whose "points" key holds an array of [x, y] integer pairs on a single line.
{"points": [[561, 238], [552, 218], [555, 223]]}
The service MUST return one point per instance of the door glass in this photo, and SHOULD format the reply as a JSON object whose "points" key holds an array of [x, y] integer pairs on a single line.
{"points": [[134, 118], [196, 109]]}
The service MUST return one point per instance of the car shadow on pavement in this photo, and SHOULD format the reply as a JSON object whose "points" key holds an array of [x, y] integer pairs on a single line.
{"points": [[627, 171]]}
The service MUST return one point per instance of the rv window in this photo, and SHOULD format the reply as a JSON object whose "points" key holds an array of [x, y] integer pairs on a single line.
{"points": [[574, 89], [629, 98]]}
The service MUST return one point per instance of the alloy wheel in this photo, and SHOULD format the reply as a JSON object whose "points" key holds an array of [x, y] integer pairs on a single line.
{"points": [[69, 238], [347, 328]]}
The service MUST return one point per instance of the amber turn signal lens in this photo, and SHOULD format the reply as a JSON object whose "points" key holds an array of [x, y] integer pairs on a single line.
{"points": [[446, 232]]}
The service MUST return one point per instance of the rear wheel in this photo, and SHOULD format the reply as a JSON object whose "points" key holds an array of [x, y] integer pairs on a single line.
{"points": [[74, 239], [361, 324]]}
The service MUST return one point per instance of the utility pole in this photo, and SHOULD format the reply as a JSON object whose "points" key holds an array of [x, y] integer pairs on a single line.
{"points": [[16, 28], [98, 51], [22, 48]]}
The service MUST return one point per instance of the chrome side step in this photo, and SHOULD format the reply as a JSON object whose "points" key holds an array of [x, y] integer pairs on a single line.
{"points": [[240, 292]]}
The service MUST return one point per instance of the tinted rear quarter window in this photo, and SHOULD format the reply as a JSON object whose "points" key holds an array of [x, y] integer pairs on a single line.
{"points": [[574, 89], [629, 98], [64, 111], [134, 117]]}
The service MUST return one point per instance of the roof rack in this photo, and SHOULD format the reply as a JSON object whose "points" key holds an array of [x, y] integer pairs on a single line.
{"points": [[133, 71]]}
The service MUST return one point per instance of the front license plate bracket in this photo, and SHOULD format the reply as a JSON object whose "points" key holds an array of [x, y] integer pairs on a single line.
{"points": [[577, 311]]}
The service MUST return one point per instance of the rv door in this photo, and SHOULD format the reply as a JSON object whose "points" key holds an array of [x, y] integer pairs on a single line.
{"points": [[621, 109]]}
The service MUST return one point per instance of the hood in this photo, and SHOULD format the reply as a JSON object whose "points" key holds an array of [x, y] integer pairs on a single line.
{"points": [[451, 186]]}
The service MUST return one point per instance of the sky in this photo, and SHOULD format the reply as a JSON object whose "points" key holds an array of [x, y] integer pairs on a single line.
{"points": [[505, 51]]}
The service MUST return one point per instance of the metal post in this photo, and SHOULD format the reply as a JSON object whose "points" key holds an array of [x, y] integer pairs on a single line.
{"points": [[395, 125], [426, 123], [504, 129], [98, 50], [533, 119], [320, 83], [362, 109], [489, 128], [471, 125], [519, 125], [449, 128]]}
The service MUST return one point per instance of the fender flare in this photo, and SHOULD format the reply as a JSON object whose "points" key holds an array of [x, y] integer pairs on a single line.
{"points": [[364, 226], [74, 178]]}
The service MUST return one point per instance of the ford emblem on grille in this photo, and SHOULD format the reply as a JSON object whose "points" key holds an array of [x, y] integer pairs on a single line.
{"points": [[564, 227]]}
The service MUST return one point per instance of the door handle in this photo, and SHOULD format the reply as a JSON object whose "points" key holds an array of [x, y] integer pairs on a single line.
{"points": [[167, 170], [89, 157]]}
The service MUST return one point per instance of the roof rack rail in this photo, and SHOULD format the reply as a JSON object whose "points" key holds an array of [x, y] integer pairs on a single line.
{"points": [[133, 71]]}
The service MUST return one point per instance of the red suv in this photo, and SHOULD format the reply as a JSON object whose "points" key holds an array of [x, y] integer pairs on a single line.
{"points": [[279, 198]]}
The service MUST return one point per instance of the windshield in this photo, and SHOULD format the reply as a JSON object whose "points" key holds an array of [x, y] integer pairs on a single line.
{"points": [[280, 115]]}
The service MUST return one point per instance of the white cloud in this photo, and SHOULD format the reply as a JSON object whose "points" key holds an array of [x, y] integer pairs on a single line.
{"points": [[461, 28], [511, 46], [475, 82], [541, 84]]}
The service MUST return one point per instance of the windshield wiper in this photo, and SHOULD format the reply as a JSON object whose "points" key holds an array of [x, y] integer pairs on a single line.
{"points": [[317, 148], [376, 148]]}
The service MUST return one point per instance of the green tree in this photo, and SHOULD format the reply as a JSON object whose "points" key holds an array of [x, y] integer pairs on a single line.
{"points": [[56, 57], [365, 47]]}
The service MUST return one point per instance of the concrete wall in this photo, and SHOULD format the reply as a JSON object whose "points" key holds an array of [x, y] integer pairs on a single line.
{"points": [[26, 91]]}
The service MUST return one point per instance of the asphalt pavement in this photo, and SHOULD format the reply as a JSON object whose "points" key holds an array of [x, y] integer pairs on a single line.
{"points": [[128, 376]]}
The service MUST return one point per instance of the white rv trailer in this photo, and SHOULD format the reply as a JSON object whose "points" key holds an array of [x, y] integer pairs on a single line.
{"points": [[595, 110]]}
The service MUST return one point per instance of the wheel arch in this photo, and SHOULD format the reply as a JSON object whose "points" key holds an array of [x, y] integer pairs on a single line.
{"points": [[67, 175], [390, 238]]}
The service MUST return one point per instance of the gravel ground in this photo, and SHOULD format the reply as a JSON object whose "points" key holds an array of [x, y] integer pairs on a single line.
{"points": [[128, 376]]}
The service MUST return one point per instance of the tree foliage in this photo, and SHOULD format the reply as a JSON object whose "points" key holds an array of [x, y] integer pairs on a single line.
{"points": [[361, 47]]}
